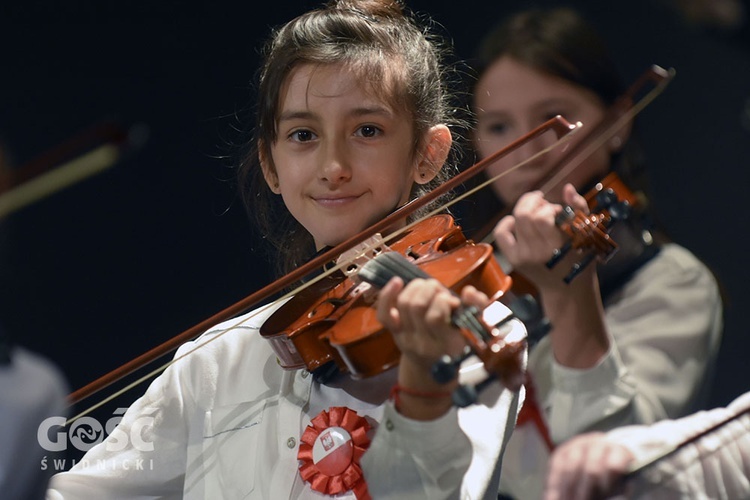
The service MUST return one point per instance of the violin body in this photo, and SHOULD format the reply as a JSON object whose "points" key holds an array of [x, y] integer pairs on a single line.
{"points": [[357, 335], [335, 322]]}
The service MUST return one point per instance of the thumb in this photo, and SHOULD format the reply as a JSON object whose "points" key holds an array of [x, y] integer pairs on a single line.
{"points": [[575, 200]]}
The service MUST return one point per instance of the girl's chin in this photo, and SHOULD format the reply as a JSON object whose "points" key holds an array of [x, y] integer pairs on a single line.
{"points": [[343, 232], [333, 240]]}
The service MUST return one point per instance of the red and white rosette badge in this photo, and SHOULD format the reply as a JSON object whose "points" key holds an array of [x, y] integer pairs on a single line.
{"points": [[330, 450]]}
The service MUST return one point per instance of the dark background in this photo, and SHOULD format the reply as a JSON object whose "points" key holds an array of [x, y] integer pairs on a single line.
{"points": [[101, 272]]}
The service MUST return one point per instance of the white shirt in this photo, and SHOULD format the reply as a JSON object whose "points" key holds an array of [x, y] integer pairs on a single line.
{"points": [[225, 421], [714, 466], [665, 326]]}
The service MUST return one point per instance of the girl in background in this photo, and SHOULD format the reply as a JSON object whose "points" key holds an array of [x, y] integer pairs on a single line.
{"points": [[632, 341]]}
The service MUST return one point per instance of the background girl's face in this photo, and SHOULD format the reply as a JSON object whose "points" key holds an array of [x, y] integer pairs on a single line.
{"points": [[512, 99], [343, 158]]}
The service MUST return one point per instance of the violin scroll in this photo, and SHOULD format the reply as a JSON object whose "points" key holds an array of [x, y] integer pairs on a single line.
{"points": [[589, 234]]}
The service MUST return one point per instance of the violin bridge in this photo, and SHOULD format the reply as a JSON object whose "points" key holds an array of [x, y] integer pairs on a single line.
{"points": [[353, 259]]}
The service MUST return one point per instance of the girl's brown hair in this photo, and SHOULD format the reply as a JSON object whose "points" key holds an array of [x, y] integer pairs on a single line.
{"points": [[381, 44]]}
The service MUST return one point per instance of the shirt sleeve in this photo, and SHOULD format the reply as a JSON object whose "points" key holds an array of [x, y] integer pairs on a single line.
{"points": [[455, 456], [436, 452], [715, 462], [143, 457], [458, 455], [665, 328]]}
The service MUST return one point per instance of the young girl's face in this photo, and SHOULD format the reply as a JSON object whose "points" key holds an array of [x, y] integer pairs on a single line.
{"points": [[512, 99], [343, 158]]}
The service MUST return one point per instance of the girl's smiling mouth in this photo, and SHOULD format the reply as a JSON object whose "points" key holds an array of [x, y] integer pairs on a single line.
{"points": [[335, 201]]}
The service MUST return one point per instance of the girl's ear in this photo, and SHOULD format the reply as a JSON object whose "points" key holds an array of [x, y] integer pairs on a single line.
{"points": [[269, 173], [437, 145]]}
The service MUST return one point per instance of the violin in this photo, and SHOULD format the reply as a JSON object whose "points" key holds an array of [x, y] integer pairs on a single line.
{"points": [[339, 332]]}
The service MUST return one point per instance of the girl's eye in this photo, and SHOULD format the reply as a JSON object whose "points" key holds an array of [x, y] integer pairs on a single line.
{"points": [[302, 135], [496, 128], [368, 131]]}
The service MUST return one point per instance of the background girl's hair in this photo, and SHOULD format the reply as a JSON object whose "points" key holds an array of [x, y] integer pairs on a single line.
{"points": [[558, 42], [563, 43], [401, 58]]}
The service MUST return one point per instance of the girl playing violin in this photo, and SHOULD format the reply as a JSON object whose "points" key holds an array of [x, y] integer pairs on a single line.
{"points": [[353, 122], [633, 340]]}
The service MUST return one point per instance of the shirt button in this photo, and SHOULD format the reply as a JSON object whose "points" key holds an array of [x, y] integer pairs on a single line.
{"points": [[389, 425], [291, 443], [305, 373]]}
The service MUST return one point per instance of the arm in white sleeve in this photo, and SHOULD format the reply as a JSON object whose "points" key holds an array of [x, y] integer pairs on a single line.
{"points": [[665, 327], [143, 457], [458, 455], [714, 462], [437, 452]]}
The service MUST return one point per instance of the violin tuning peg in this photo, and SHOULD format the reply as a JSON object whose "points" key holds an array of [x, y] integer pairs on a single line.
{"points": [[578, 267], [444, 370], [558, 254], [606, 198], [620, 211], [566, 215]]}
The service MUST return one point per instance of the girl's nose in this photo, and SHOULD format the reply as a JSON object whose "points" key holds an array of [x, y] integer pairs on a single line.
{"points": [[335, 166], [534, 151]]}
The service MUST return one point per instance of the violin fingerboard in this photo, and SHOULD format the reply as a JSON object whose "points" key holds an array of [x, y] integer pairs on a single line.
{"points": [[380, 269]]}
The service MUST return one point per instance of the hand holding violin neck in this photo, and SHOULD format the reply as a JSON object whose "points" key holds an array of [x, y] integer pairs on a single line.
{"points": [[499, 347]]}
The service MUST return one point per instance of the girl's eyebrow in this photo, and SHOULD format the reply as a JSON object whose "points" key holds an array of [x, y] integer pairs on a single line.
{"points": [[372, 110], [294, 115], [360, 111], [493, 115], [554, 101]]}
